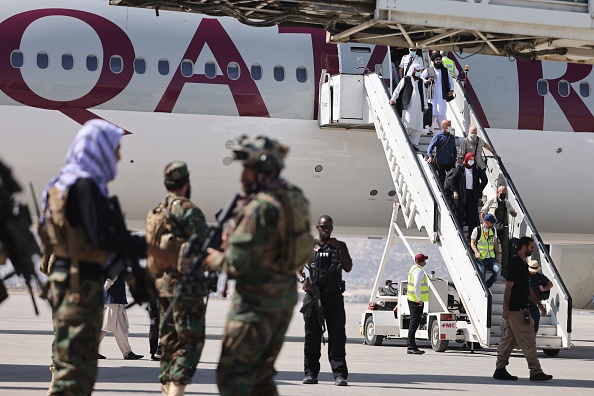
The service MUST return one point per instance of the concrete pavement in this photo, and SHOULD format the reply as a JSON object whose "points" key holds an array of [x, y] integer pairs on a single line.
{"points": [[26, 342]]}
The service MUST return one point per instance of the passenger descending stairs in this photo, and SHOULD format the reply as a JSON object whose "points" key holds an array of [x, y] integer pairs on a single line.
{"points": [[421, 206]]}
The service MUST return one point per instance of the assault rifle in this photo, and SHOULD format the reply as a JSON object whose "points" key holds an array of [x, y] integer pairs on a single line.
{"points": [[197, 250], [140, 283], [16, 240], [315, 302]]}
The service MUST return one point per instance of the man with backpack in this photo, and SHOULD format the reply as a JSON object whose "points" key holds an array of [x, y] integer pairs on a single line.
{"points": [[169, 225], [269, 240], [483, 242]]}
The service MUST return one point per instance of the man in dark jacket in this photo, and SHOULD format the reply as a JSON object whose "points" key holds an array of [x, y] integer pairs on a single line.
{"points": [[465, 189]]}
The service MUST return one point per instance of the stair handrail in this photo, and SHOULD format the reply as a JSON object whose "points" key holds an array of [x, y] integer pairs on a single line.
{"points": [[369, 83]]}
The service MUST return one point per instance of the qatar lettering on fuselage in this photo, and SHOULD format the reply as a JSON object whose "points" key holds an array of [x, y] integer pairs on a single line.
{"points": [[246, 94]]}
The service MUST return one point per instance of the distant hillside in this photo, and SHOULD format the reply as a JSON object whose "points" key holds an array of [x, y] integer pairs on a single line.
{"points": [[367, 254]]}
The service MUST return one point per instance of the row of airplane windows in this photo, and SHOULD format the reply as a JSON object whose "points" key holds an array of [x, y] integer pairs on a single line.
{"points": [[542, 86], [116, 65]]}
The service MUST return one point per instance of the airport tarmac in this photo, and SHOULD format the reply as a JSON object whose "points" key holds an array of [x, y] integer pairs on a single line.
{"points": [[26, 342]]}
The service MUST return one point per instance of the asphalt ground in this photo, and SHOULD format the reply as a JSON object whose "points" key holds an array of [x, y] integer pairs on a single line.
{"points": [[26, 342]]}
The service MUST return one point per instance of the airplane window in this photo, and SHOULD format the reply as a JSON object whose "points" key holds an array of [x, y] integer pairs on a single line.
{"points": [[210, 70], [42, 60], [364, 50], [115, 64], [563, 88], [187, 68], [16, 59], [301, 74], [67, 61], [585, 89], [139, 65], [233, 70], [92, 62], [279, 73], [542, 86], [256, 72], [163, 67]]}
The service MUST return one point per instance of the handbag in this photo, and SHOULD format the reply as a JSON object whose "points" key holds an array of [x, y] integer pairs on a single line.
{"points": [[499, 226]]}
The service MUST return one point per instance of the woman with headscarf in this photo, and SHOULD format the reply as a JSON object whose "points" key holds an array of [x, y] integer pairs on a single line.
{"points": [[463, 184], [414, 103], [76, 218]]}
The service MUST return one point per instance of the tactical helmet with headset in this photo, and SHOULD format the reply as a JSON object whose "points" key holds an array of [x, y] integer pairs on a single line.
{"points": [[267, 156]]}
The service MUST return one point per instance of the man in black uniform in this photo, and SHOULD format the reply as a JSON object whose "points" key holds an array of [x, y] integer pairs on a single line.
{"points": [[325, 273], [517, 325]]}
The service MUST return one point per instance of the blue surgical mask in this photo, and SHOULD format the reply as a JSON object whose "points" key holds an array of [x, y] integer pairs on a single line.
{"points": [[471, 162], [412, 52]]}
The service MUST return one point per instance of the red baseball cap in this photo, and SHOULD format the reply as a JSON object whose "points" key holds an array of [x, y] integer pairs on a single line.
{"points": [[419, 258]]}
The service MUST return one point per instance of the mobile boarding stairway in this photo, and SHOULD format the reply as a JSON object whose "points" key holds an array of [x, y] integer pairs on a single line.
{"points": [[421, 211]]}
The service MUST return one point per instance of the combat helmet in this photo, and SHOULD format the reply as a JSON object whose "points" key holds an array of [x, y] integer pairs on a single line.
{"points": [[265, 154]]}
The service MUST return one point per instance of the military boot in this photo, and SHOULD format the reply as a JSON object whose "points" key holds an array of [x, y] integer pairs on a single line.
{"points": [[176, 389], [165, 389]]}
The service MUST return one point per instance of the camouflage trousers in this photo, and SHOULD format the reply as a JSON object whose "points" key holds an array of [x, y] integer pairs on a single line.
{"points": [[76, 334], [182, 339], [246, 366]]}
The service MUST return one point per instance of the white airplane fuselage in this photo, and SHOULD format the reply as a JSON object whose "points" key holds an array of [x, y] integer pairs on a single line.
{"points": [[211, 94]]}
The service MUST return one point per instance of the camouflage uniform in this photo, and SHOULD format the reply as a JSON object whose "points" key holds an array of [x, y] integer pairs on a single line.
{"points": [[75, 198], [262, 306], [76, 334], [182, 336]]}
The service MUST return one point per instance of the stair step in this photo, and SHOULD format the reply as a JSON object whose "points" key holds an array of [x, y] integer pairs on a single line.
{"points": [[546, 330], [549, 342]]}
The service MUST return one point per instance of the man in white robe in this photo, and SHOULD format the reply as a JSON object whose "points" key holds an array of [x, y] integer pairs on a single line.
{"points": [[433, 77], [412, 115]]}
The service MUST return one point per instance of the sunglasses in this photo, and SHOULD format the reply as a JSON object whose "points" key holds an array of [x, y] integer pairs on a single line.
{"points": [[324, 227]]}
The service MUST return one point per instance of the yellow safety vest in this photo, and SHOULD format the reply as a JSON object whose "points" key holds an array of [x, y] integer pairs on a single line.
{"points": [[486, 245], [448, 64], [412, 296]]}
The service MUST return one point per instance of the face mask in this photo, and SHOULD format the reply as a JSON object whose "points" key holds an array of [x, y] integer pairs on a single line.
{"points": [[418, 74], [412, 52], [472, 137], [449, 129], [502, 197], [471, 162]]}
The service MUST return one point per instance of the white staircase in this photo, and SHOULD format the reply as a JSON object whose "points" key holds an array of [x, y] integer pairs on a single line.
{"points": [[422, 208]]}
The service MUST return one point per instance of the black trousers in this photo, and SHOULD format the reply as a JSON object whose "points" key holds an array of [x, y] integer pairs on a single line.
{"points": [[442, 169], [535, 313], [333, 306], [153, 311], [416, 312], [471, 211]]}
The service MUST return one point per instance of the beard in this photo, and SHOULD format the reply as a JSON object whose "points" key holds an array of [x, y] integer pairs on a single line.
{"points": [[439, 66], [189, 192]]}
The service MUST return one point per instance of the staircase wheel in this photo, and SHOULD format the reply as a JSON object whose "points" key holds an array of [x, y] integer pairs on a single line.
{"points": [[551, 352], [370, 337], [437, 344]]}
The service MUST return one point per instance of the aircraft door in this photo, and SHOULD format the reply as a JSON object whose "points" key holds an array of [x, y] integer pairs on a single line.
{"points": [[353, 58]]}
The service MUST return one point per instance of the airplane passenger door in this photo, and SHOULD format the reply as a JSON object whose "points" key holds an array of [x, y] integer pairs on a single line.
{"points": [[353, 58]]}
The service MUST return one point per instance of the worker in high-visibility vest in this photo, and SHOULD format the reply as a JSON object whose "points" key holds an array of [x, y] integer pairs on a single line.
{"points": [[418, 295], [448, 63]]}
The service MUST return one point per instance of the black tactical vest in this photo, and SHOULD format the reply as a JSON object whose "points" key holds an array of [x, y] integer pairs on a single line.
{"points": [[326, 268]]}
